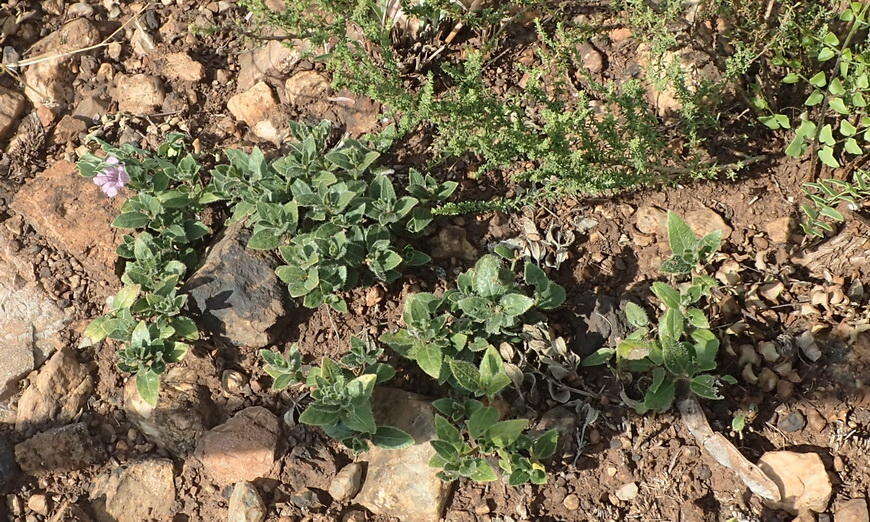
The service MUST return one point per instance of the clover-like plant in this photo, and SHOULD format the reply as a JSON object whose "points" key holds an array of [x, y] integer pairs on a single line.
{"points": [[147, 315], [471, 436], [839, 87], [680, 348], [342, 395], [445, 334], [334, 216]]}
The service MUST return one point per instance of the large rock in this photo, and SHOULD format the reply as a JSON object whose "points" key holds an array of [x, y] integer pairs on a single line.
{"points": [[237, 292], [141, 491], [400, 483], [67, 448], [241, 449], [11, 106], [803, 482], [50, 82], [55, 396], [29, 319], [245, 504], [72, 213], [183, 413], [138, 94], [274, 59]]}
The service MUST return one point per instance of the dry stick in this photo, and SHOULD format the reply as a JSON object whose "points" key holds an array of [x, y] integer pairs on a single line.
{"points": [[474, 7], [816, 170]]}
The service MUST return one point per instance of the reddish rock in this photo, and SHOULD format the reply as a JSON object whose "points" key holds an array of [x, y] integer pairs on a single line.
{"points": [[50, 82], [29, 319], [138, 94], [59, 391], [11, 106], [254, 105], [180, 66], [68, 129], [141, 491], [62, 449], [243, 448], [73, 215]]}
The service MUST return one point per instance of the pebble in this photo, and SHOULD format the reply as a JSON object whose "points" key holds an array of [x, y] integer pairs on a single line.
{"points": [[39, 504], [627, 491], [571, 502], [792, 422], [815, 421]]}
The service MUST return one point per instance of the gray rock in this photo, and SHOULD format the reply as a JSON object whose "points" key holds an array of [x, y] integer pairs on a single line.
{"points": [[141, 491], [184, 411], [400, 483], [29, 319], [237, 292], [245, 504], [55, 396], [792, 422], [66, 448], [347, 482], [605, 326]]}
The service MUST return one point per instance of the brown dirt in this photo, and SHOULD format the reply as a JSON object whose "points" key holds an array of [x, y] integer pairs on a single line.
{"points": [[676, 480]]}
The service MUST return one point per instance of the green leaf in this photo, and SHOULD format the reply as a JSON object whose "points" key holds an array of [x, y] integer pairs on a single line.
{"points": [[662, 397], [782, 120], [818, 80], [814, 98], [429, 357], [671, 325], [466, 375], [826, 154], [796, 147], [697, 318], [838, 105], [505, 433], [482, 472], [706, 386], [534, 276], [677, 358], [388, 437], [826, 135], [482, 420], [791, 78], [185, 328], [516, 304], [446, 431], [847, 129], [600, 356], [826, 54], [545, 445], [315, 415], [99, 329], [487, 280], [851, 146], [836, 87], [633, 349], [125, 297], [669, 296], [131, 220], [360, 418], [491, 364], [636, 315], [264, 240], [148, 386], [680, 236]]}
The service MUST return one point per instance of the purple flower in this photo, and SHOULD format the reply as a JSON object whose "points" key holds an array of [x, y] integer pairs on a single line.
{"points": [[113, 177]]}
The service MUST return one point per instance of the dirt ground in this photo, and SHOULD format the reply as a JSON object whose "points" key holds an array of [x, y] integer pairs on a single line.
{"points": [[617, 257]]}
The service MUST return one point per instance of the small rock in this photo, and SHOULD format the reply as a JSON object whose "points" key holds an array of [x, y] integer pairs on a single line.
{"points": [[305, 499], [141, 491], [237, 292], [113, 50], [779, 230], [792, 422], [767, 380], [306, 87], [627, 492], [39, 504], [400, 483], [80, 10], [354, 516], [274, 59], [91, 107], [142, 41], [233, 381], [802, 480], [12, 104], [807, 343], [606, 324], [571, 502], [564, 420], [253, 105], [451, 242], [347, 482], [245, 504], [69, 447], [592, 58], [705, 221], [854, 510], [138, 94], [768, 350], [619, 34], [815, 421], [50, 82], [241, 449], [784, 389], [56, 394], [68, 129], [183, 413], [651, 220], [180, 66]]}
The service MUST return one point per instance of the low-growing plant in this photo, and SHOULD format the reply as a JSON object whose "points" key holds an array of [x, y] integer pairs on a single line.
{"points": [[341, 395], [445, 334], [688, 250], [335, 218], [826, 195], [147, 316], [481, 439], [839, 90], [681, 347]]}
